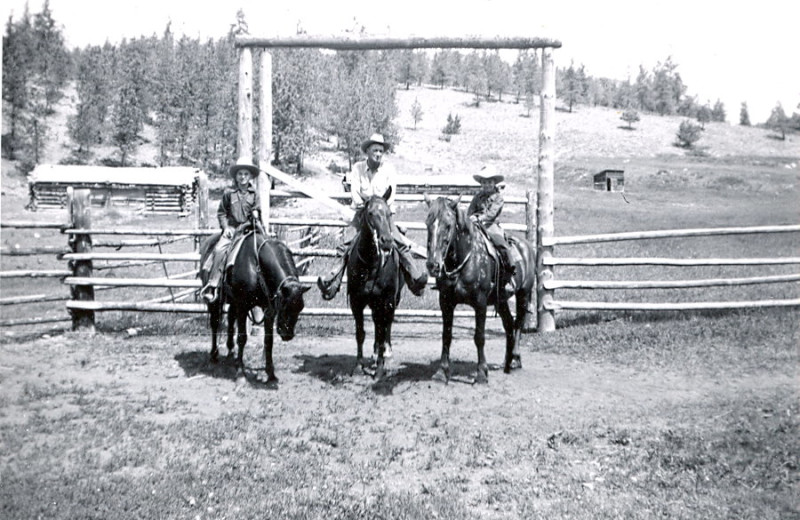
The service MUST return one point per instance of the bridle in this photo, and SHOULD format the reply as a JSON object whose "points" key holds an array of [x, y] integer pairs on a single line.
{"points": [[447, 250]]}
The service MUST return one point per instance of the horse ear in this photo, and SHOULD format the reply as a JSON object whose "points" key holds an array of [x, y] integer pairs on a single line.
{"points": [[305, 288], [387, 194], [428, 199], [454, 203]]}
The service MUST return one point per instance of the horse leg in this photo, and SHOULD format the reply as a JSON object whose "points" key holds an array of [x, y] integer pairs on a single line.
{"points": [[482, 377], [358, 316], [269, 322], [231, 324], [522, 309], [215, 313], [241, 339], [382, 318], [443, 374], [508, 327]]}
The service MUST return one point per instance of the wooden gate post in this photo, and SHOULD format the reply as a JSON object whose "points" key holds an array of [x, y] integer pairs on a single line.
{"points": [[531, 318], [80, 218], [545, 225], [265, 136]]}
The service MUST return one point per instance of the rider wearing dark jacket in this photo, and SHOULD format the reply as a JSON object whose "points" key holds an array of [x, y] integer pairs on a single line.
{"points": [[239, 204], [485, 210]]}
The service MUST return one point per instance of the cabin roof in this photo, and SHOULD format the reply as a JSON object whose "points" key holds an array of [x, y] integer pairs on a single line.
{"points": [[78, 174]]}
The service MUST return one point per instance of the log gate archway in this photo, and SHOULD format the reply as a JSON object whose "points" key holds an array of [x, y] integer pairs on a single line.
{"points": [[540, 223]]}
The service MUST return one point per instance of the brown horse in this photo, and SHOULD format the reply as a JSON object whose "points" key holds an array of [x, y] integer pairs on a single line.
{"points": [[263, 275], [466, 273]]}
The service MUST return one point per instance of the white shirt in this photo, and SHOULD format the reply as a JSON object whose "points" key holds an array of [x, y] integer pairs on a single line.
{"points": [[364, 183]]}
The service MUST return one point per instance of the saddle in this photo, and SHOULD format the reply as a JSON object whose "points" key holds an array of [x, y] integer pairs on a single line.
{"points": [[492, 250]]}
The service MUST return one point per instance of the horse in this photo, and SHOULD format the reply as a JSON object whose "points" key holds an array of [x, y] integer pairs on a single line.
{"points": [[374, 278], [466, 273], [263, 275]]}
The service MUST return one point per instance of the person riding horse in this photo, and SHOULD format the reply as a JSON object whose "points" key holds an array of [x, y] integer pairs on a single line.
{"points": [[239, 206], [484, 210], [369, 178]]}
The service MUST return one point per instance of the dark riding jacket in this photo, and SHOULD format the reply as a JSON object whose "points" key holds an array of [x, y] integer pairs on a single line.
{"points": [[236, 206], [487, 206]]}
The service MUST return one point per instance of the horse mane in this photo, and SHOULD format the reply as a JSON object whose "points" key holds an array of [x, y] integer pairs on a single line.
{"points": [[283, 255]]}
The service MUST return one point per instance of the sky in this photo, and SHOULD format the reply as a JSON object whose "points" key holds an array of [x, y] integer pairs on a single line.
{"points": [[733, 51]]}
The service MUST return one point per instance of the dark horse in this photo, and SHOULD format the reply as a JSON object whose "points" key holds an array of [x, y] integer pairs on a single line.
{"points": [[466, 273], [374, 278], [264, 275]]}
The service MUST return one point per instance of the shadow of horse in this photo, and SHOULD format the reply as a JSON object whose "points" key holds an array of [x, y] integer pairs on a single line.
{"points": [[336, 370], [197, 363]]}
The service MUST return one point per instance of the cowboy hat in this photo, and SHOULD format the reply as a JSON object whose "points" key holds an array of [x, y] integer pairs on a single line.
{"points": [[243, 164], [488, 172], [374, 139]]}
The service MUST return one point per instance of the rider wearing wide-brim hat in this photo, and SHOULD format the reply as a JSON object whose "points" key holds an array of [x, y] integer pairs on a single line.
{"points": [[243, 164], [240, 205], [485, 210], [374, 177]]}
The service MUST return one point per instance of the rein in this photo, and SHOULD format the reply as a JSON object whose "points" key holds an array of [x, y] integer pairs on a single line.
{"points": [[454, 273], [262, 281]]}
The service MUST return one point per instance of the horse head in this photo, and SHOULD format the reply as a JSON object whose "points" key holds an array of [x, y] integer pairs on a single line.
{"points": [[288, 306], [443, 221], [377, 221]]}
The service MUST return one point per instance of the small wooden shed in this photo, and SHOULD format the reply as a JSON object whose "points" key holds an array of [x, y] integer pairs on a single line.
{"points": [[610, 180], [152, 190]]}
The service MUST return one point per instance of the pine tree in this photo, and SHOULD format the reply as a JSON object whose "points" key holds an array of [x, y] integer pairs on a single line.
{"points": [[744, 115], [643, 91], [778, 121], [718, 112], [416, 112], [704, 116]]}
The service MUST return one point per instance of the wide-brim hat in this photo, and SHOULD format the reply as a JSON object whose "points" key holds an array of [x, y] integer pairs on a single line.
{"points": [[243, 164], [374, 139], [488, 172]]}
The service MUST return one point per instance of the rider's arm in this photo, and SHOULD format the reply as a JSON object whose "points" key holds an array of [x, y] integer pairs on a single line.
{"points": [[492, 209], [355, 187]]}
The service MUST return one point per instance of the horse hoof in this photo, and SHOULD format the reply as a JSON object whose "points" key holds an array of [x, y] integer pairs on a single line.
{"points": [[380, 373], [213, 358], [481, 378], [516, 363], [272, 383], [441, 376]]}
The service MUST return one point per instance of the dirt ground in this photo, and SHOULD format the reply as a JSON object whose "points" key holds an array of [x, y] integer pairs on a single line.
{"points": [[176, 370]]}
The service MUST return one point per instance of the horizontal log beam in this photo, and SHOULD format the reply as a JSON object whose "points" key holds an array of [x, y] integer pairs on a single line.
{"points": [[350, 43], [680, 262], [200, 308], [141, 232], [33, 321], [30, 224], [559, 305], [131, 282], [33, 298], [55, 273], [161, 257], [667, 233], [672, 284], [400, 197]]}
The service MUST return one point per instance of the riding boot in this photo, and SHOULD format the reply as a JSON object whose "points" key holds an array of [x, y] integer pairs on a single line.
{"points": [[509, 270], [209, 292], [415, 279], [330, 284]]}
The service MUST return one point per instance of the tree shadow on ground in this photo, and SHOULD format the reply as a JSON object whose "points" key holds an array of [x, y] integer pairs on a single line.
{"points": [[338, 369], [198, 363]]}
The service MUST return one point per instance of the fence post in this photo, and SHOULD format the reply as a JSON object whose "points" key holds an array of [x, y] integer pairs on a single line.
{"points": [[244, 140], [79, 203], [265, 136], [547, 320], [531, 318]]}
